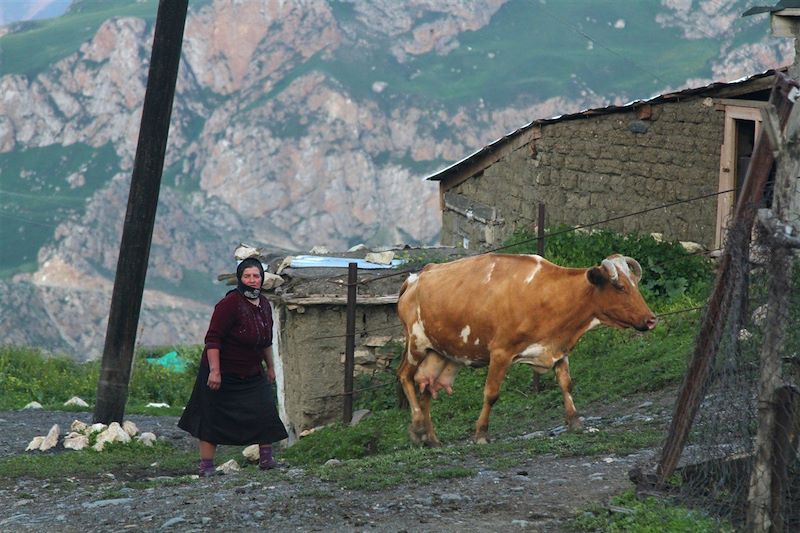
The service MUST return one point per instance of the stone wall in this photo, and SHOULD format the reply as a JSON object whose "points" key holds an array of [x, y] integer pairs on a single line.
{"points": [[597, 167], [312, 346]]}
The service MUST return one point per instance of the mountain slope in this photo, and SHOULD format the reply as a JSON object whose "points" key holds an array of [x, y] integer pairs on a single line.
{"points": [[297, 124]]}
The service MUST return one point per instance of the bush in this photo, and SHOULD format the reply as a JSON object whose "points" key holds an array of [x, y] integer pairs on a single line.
{"points": [[668, 271], [29, 374]]}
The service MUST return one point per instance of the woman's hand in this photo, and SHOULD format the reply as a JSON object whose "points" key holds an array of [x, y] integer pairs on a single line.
{"points": [[214, 379], [271, 374]]}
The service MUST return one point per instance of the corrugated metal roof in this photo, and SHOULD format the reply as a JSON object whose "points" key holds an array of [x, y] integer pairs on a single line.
{"points": [[675, 95]]}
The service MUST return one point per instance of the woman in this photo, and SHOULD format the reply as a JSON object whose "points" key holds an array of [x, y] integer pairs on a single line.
{"points": [[232, 401]]}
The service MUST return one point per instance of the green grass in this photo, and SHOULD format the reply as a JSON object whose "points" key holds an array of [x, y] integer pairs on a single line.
{"points": [[27, 375], [628, 513], [35, 46]]}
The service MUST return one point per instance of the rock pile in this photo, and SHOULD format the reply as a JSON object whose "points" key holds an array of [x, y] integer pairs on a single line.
{"points": [[81, 435]]}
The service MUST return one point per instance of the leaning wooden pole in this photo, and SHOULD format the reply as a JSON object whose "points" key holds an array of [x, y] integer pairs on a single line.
{"points": [[714, 320], [137, 230]]}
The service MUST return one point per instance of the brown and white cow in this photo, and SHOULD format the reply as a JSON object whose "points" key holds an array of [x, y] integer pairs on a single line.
{"points": [[498, 309]]}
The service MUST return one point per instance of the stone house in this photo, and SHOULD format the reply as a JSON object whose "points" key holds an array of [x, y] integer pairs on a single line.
{"points": [[603, 163]]}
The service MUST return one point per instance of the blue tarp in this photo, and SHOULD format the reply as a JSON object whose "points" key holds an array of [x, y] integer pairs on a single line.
{"points": [[171, 361], [305, 261]]}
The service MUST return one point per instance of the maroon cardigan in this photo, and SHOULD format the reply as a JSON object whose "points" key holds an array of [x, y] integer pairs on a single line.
{"points": [[241, 331]]}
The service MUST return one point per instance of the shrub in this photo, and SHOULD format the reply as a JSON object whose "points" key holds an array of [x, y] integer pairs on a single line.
{"points": [[668, 270], [30, 374]]}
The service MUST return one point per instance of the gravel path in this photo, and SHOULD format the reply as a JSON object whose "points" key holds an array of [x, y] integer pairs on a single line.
{"points": [[539, 493]]}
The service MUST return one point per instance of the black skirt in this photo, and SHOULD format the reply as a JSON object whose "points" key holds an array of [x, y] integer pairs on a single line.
{"points": [[241, 412]]}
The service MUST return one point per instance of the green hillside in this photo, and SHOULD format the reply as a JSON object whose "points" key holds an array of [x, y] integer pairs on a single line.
{"points": [[536, 50], [34, 46], [35, 198]]}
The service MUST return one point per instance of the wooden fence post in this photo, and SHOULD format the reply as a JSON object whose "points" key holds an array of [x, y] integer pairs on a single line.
{"points": [[350, 343], [715, 317]]}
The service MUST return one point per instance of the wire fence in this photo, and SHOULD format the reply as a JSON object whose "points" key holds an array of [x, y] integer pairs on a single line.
{"points": [[396, 329], [371, 278], [753, 382]]}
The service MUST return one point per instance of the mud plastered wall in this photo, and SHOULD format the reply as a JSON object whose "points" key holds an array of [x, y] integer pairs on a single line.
{"points": [[593, 168], [312, 354]]}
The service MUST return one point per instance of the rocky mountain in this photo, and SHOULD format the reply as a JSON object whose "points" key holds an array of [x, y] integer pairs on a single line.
{"points": [[294, 124]]}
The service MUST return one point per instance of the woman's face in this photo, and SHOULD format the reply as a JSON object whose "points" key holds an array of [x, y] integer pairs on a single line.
{"points": [[251, 276]]}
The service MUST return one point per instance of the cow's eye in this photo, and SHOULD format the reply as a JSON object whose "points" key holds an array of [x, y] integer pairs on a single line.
{"points": [[621, 288]]}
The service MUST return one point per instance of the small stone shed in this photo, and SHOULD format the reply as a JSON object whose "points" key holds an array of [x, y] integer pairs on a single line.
{"points": [[603, 163], [310, 317]]}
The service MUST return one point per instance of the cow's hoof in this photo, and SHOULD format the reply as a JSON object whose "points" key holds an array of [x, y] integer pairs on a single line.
{"points": [[482, 440], [415, 436], [431, 442], [575, 424]]}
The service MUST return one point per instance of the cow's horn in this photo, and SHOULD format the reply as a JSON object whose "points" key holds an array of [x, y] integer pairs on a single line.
{"points": [[612, 271], [636, 268]]}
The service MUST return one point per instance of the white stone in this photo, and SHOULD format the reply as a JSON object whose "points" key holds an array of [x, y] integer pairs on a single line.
{"points": [[360, 415], [120, 435], [271, 281], [377, 341], [76, 441], [157, 404], [286, 263], [306, 432], [130, 428], [243, 251], [35, 444], [358, 248], [97, 428], [76, 401], [78, 427], [51, 439], [33, 405], [333, 462], [693, 247], [760, 315], [228, 467], [363, 357], [147, 438], [251, 453], [380, 258], [113, 433]]}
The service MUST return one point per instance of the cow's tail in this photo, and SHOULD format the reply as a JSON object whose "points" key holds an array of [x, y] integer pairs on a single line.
{"points": [[402, 401], [403, 288]]}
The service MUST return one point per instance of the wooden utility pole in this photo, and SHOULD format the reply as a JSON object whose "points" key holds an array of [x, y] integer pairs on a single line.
{"points": [[137, 230]]}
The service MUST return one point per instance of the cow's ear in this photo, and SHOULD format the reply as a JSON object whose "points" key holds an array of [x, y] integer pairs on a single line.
{"points": [[597, 276]]}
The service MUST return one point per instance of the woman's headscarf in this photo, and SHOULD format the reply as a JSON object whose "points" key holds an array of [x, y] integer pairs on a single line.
{"points": [[249, 292]]}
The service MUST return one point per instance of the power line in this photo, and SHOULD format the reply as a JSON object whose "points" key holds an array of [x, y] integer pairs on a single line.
{"points": [[28, 221], [601, 44]]}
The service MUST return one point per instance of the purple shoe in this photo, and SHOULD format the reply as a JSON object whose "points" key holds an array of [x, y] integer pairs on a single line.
{"points": [[265, 459], [206, 468]]}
